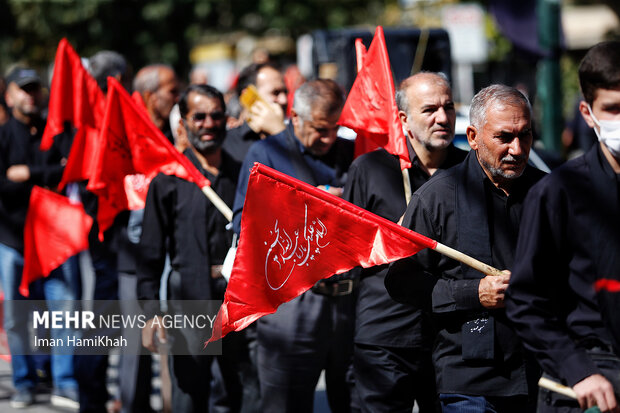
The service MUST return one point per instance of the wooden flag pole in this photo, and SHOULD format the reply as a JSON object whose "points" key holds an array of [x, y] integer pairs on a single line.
{"points": [[407, 185], [466, 259], [548, 384], [217, 201], [554, 386]]}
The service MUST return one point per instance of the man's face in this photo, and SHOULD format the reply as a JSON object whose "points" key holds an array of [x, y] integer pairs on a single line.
{"points": [[319, 133], [167, 93], [503, 145], [270, 85], [431, 115], [606, 106], [24, 100], [205, 123]]}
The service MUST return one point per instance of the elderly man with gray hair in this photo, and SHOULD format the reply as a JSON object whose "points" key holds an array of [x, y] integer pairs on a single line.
{"points": [[313, 332], [475, 207], [159, 87]]}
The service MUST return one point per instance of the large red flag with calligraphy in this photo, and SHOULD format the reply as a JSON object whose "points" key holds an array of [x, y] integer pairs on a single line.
{"points": [[370, 109], [293, 235], [55, 230], [75, 100], [130, 144]]}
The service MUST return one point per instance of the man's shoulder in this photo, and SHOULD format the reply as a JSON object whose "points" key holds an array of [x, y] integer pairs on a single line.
{"points": [[8, 128], [379, 158], [269, 143], [440, 185], [345, 144], [566, 177]]}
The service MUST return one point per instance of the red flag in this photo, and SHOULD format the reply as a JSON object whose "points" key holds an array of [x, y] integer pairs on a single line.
{"points": [[612, 286], [75, 96], [81, 157], [55, 230], [307, 234], [363, 142], [130, 143], [370, 109]]}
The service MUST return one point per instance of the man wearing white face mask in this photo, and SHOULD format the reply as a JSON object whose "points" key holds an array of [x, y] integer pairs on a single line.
{"points": [[563, 296]]}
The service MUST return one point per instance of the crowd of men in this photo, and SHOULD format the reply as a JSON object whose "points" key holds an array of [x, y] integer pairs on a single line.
{"points": [[424, 330]]}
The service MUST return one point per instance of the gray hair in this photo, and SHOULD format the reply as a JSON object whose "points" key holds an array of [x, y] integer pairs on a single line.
{"points": [[147, 79], [492, 95], [106, 63], [437, 78], [322, 94]]}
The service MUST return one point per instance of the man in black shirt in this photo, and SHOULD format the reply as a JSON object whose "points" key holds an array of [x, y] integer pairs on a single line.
{"points": [[23, 165], [474, 207], [266, 117], [568, 242], [392, 354], [181, 222]]}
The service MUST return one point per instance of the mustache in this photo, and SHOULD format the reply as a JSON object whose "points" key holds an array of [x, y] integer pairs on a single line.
{"points": [[514, 159], [204, 131]]}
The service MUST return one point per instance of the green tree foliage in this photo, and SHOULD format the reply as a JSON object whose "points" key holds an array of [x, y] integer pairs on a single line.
{"points": [[158, 30]]}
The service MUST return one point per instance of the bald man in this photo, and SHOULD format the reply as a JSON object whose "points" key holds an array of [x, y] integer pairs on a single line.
{"points": [[159, 87], [392, 359]]}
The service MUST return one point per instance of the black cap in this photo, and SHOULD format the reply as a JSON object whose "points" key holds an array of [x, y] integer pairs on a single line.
{"points": [[23, 76]]}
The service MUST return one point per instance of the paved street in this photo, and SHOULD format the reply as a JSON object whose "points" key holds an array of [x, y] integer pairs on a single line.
{"points": [[43, 396]]}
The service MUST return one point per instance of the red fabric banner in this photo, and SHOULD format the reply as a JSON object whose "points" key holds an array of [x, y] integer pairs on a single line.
{"points": [[75, 97], [55, 230], [364, 142], [293, 235], [612, 286], [370, 109], [129, 143]]}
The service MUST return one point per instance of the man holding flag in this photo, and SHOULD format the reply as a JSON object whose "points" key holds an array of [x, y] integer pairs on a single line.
{"points": [[392, 362], [181, 222], [474, 207], [313, 331], [563, 294]]}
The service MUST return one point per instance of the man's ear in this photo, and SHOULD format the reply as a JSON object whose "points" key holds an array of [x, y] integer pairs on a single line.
{"points": [[585, 113], [8, 96], [472, 133], [403, 120], [295, 119], [149, 98]]}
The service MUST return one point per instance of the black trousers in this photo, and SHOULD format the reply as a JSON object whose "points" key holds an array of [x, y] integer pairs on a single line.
{"points": [[305, 336], [391, 379]]}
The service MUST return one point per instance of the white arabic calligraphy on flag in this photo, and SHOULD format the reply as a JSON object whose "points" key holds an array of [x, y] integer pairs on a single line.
{"points": [[286, 253]]}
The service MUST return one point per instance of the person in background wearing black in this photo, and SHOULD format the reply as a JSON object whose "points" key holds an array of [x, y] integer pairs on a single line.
{"points": [[570, 240], [23, 165], [266, 116]]}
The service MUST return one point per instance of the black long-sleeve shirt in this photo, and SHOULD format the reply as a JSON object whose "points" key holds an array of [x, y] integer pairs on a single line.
{"points": [[375, 183], [238, 141], [476, 351], [19, 144], [569, 238], [181, 221]]}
